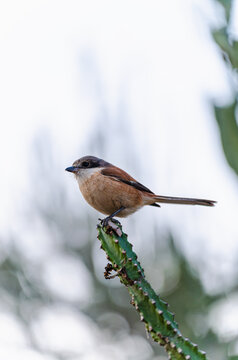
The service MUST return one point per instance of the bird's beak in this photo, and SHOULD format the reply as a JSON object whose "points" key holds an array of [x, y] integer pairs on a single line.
{"points": [[72, 169]]}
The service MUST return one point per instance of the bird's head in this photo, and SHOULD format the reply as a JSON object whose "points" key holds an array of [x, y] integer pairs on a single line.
{"points": [[86, 164]]}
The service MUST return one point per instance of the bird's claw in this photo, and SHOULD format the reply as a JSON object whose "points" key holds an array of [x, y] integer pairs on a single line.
{"points": [[105, 221], [115, 221]]}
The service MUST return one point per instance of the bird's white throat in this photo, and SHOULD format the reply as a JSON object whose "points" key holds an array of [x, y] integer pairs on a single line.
{"points": [[85, 174]]}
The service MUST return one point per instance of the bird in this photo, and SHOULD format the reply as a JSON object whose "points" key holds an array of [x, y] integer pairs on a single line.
{"points": [[113, 192]]}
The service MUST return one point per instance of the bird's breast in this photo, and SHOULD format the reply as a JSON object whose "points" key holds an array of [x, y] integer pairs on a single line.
{"points": [[108, 195]]}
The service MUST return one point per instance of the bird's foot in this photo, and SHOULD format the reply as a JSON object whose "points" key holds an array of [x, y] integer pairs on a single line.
{"points": [[115, 221], [106, 220]]}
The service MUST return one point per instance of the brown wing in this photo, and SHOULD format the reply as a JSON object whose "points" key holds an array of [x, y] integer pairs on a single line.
{"points": [[122, 176]]}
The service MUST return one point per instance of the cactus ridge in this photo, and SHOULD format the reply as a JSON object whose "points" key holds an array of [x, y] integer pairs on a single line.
{"points": [[153, 311]]}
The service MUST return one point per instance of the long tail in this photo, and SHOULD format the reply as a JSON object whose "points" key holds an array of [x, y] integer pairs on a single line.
{"points": [[185, 201]]}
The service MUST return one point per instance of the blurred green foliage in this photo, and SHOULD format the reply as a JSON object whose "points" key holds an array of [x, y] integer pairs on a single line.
{"points": [[226, 116], [227, 6], [228, 45], [226, 119]]}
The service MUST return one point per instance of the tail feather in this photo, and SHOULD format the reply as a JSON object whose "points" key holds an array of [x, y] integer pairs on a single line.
{"points": [[185, 201]]}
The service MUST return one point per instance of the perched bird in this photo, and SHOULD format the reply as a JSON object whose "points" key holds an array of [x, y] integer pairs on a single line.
{"points": [[113, 192]]}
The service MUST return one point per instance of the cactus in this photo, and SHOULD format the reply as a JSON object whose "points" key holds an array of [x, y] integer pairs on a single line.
{"points": [[153, 311]]}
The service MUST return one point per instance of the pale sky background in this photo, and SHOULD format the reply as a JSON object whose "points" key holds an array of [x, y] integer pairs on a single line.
{"points": [[159, 59]]}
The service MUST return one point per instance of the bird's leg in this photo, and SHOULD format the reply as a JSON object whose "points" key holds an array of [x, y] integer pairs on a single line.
{"points": [[105, 221]]}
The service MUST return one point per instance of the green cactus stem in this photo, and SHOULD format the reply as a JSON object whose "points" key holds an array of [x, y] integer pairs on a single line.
{"points": [[153, 311]]}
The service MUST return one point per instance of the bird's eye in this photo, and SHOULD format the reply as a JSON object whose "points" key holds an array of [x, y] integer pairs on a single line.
{"points": [[85, 164]]}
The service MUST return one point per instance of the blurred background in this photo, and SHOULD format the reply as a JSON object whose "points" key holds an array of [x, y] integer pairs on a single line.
{"points": [[151, 87]]}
